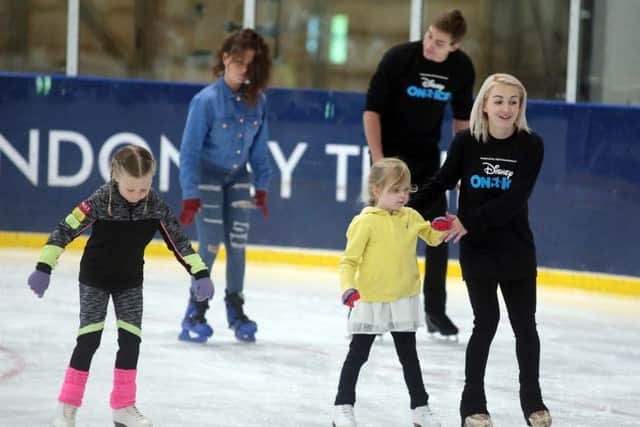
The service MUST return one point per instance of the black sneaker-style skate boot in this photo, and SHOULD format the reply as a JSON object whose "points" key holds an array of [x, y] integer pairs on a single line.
{"points": [[194, 325], [244, 328], [440, 323]]}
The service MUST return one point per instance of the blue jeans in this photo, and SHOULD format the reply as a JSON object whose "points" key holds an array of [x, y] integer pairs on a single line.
{"points": [[226, 209]]}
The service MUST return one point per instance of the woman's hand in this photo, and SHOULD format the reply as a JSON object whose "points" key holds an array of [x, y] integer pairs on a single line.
{"points": [[456, 231]]}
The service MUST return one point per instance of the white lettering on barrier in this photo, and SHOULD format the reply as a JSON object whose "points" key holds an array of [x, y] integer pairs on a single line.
{"points": [[366, 167], [342, 152], [286, 167], [104, 158], [29, 169], [168, 152], [54, 179]]}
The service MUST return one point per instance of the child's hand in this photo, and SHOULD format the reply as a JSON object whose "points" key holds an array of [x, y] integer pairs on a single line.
{"points": [[190, 208], [39, 282], [260, 201], [441, 223], [202, 289], [350, 296]]}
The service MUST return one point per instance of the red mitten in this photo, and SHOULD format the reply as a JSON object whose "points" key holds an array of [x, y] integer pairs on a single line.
{"points": [[350, 296], [260, 200], [441, 223], [190, 208]]}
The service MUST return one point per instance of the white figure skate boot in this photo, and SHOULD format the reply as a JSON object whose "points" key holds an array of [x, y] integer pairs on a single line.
{"points": [[343, 416], [130, 417], [65, 415], [478, 420], [423, 417]]}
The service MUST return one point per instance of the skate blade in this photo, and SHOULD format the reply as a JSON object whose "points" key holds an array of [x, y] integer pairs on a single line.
{"points": [[248, 338], [437, 336], [186, 336]]}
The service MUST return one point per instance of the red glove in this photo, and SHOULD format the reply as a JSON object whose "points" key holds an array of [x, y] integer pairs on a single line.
{"points": [[441, 223], [190, 208], [350, 296], [260, 200]]}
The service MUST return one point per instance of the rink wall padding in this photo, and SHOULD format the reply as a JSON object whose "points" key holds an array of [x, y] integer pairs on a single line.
{"points": [[57, 135]]}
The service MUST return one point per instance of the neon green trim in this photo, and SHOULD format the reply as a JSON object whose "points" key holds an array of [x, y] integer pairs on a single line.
{"points": [[50, 255], [129, 328], [72, 221], [94, 327], [195, 262], [78, 214]]}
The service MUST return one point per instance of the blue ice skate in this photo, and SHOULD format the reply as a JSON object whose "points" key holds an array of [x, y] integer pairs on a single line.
{"points": [[244, 328], [194, 325]]}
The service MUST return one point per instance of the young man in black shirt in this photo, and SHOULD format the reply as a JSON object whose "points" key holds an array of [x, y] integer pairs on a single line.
{"points": [[403, 116]]}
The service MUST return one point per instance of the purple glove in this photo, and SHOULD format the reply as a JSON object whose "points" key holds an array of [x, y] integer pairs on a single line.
{"points": [[202, 289], [39, 282], [350, 296]]}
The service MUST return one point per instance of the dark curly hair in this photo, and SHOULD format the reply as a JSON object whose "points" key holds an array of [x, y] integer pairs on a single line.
{"points": [[259, 70]]}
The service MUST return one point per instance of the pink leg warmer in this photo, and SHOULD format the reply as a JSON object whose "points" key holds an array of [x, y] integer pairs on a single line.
{"points": [[73, 387], [124, 388]]}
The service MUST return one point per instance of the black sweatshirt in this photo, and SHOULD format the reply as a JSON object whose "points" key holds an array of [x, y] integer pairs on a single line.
{"points": [[496, 180], [120, 231], [410, 94]]}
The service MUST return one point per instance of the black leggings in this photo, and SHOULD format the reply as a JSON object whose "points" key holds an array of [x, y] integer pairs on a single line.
{"points": [[520, 299], [436, 258], [359, 349], [93, 311]]}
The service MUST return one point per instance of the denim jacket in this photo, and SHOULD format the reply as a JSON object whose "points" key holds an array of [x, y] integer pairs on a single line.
{"points": [[223, 133]]}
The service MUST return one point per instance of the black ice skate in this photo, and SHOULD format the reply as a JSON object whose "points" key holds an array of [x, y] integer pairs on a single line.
{"points": [[441, 326], [244, 328]]}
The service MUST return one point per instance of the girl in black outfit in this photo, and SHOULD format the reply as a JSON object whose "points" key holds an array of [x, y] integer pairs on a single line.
{"points": [[124, 215], [497, 162]]}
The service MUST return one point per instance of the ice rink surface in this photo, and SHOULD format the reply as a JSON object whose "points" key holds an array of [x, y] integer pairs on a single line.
{"points": [[590, 367]]}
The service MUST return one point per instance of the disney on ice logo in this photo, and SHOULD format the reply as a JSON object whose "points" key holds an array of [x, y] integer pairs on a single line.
{"points": [[501, 182], [491, 169]]}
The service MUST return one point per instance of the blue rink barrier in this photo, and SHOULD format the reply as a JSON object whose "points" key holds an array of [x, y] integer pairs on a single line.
{"points": [[57, 135]]}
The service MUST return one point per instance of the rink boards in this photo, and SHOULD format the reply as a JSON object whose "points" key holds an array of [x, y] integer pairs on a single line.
{"points": [[57, 135]]}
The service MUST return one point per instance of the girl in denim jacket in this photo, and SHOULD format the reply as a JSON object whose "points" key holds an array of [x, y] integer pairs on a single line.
{"points": [[226, 129]]}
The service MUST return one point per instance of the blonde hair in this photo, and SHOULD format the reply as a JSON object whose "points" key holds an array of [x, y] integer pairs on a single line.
{"points": [[386, 173], [479, 122], [134, 161]]}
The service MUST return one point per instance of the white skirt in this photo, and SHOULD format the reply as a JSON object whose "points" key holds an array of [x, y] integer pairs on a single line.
{"points": [[404, 315]]}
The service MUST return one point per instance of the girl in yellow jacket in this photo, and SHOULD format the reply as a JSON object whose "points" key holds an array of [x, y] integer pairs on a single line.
{"points": [[380, 281]]}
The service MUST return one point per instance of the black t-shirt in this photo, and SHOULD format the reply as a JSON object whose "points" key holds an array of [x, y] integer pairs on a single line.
{"points": [[410, 94], [496, 180]]}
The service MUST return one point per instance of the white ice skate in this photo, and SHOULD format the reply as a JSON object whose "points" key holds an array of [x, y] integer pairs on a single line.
{"points": [[540, 419], [130, 417], [343, 416], [65, 415], [478, 420], [423, 417]]}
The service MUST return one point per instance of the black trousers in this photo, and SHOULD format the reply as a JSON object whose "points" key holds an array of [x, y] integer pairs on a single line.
{"points": [[435, 278], [405, 343], [520, 299]]}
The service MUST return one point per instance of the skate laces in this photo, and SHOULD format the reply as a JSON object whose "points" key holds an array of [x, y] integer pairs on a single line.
{"points": [[69, 411], [136, 413], [424, 411], [346, 411]]}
